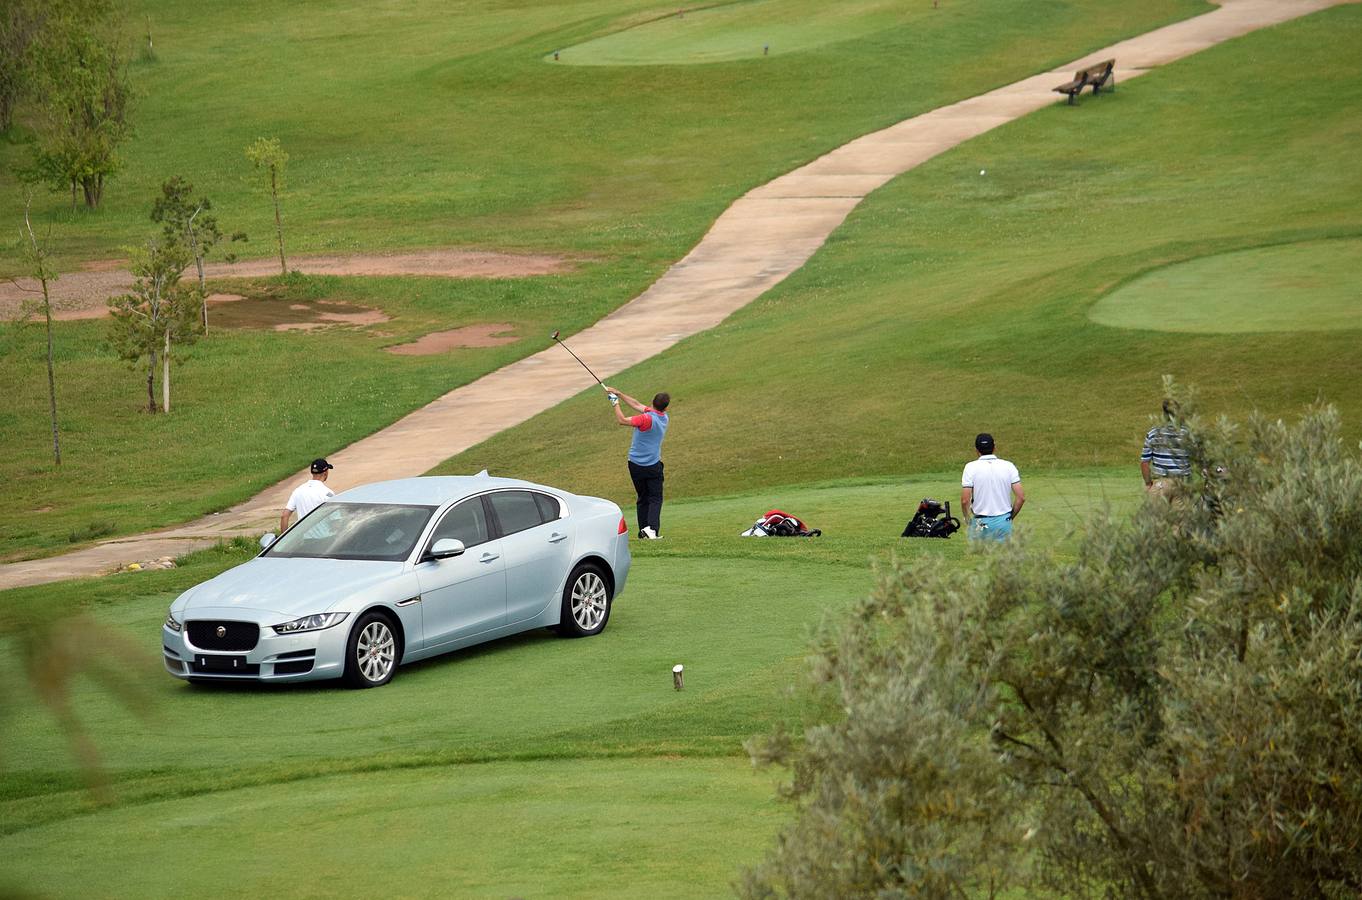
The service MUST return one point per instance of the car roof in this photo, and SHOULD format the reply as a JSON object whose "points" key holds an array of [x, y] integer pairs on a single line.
{"points": [[430, 490]]}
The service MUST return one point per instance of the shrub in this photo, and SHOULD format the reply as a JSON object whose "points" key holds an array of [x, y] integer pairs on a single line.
{"points": [[1173, 711]]}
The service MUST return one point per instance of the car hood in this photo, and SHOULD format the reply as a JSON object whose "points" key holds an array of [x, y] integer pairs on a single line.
{"points": [[289, 587]]}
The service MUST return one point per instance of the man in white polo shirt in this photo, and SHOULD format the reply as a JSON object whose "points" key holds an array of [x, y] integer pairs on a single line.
{"points": [[990, 493], [309, 495]]}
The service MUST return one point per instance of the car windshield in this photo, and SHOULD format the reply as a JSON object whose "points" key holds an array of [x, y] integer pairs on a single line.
{"points": [[379, 531]]}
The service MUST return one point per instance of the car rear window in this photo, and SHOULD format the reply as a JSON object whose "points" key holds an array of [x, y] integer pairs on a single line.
{"points": [[516, 510]]}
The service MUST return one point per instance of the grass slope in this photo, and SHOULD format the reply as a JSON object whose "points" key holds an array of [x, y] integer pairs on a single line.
{"points": [[464, 136], [951, 303], [422, 124]]}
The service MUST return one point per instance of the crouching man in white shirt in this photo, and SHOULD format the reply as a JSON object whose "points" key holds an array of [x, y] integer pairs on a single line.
{"points": [[309, 495], [991, 493]]}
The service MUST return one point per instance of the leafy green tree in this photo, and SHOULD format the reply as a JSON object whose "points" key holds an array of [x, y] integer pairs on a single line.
{"points": [[189, 220], [40, 268], [1175, 711], [265, 153], [21, 23], [85, 98], [159, 316]]}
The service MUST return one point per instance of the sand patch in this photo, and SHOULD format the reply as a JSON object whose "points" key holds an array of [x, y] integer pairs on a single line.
{"points": [[469, 336]]}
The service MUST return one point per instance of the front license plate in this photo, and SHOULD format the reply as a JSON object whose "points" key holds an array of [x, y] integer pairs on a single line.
{"points": [[221, 663]]}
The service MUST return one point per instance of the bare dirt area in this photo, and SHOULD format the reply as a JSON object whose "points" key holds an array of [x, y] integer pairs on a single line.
{"points": [[82, 295], [289, 315], [457, 339]]}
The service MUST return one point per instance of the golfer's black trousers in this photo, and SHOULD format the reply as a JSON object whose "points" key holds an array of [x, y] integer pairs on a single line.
{"points": [[648, 487]]}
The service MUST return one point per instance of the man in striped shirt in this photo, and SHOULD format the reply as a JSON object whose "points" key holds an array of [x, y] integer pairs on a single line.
{"points": [[1164, 457]]}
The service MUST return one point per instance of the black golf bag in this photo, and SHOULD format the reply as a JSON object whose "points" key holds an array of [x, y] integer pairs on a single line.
{"points": [[932, 520]]}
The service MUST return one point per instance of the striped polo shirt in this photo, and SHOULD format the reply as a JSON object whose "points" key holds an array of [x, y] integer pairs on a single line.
{"points": [[1164, 451]]}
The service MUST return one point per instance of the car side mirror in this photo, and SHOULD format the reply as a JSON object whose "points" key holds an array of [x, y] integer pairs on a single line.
{"points": [[444, 548], [268, 539]]}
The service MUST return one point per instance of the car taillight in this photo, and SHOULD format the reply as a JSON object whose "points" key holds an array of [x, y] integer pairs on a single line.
{"points": [[624, 526]]}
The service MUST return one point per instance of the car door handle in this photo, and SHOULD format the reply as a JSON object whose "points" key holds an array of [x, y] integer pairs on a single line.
{"points": [[556, 537], [488, 557]]}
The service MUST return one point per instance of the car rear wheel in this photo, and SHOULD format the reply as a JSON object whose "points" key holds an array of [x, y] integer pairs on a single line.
{"points": [[586, 602], [371, 654]]}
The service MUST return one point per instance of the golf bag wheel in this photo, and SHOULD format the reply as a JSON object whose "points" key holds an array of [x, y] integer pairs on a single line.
{"points": [[586, 602], [372, 651]]}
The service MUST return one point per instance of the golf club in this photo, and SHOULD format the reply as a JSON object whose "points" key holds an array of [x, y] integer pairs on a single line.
{"points": [[576, 357]]}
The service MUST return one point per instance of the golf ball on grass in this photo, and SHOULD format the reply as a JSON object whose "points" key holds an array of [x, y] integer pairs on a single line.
{"points": [[981, 171]]}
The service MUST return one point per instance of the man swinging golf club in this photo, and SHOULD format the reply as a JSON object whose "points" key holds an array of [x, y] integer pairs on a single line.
{"points": [[645, 456]]}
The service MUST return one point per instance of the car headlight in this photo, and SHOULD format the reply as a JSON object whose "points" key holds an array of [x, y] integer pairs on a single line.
{"points": [[172, 623], [311, 623]]}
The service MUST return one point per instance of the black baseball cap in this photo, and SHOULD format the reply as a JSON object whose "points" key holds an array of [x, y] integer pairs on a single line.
{"points": [[982, 442], [320, 465]]}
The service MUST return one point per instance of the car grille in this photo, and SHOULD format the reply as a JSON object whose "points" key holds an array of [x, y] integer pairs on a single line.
{"points": [[239, 635], [297, 667]]}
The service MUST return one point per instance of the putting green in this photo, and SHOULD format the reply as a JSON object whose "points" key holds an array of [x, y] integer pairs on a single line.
{"points": [[743, 30], [1310, 286]]}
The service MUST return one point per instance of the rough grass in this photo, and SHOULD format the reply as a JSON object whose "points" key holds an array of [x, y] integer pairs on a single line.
{"points": [[1310, 286], [952, 303]]}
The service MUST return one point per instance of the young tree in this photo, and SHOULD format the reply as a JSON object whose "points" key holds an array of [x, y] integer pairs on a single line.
{"points": [[1175, 712], [265, 153], [41, 270], [188, 219], [159, 316], [85, 98]]}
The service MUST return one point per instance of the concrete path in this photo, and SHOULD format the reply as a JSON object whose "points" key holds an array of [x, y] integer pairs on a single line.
{"points": [[757, 242]]}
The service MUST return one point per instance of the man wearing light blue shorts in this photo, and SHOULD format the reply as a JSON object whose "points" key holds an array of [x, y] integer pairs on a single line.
{"points": [[991, 493]]}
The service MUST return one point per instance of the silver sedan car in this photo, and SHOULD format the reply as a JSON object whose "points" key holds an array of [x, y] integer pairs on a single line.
{"points": [[397, 571]]}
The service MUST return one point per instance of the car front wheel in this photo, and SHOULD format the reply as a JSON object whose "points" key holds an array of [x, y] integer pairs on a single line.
{"points": [[586, 602], [371, 654]]}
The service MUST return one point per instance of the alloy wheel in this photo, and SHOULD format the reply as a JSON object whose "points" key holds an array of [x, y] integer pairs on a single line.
{"points": [[589, 601], [375, 651]]}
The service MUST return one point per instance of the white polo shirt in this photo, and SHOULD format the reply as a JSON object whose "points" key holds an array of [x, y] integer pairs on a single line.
{"points": [[992, 479], [308, 496]]}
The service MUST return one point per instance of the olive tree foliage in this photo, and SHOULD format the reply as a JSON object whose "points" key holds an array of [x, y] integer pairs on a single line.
{"points": [[159, 316], [1172, 710], [267, 154], [84, 98]]}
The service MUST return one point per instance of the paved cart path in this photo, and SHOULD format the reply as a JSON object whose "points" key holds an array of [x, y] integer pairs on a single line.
{"points": [[758, 241]]}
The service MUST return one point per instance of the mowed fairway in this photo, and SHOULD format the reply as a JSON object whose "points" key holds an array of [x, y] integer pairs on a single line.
{"points": [[533, 766], [420, 125]]}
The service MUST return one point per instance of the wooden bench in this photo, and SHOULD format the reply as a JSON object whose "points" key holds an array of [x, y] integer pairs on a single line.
{"points": [[1095, 75]]}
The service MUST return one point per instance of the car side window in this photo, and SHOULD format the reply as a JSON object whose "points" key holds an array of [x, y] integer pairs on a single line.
{"points": [[466, 522], [549, 509], [516, 510]]}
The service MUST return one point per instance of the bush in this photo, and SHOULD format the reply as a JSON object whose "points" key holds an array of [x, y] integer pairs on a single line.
{"points": [[1174, 711]]}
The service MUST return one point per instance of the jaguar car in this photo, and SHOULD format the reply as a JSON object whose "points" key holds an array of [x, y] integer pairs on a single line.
{"points": [[398, 571]]}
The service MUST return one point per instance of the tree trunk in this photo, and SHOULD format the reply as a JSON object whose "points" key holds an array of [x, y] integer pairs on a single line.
{"points": [[203, 291], [151, 383], [165, 375], [73, 195], [93, 185], [51, 378], [278, 223]]}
